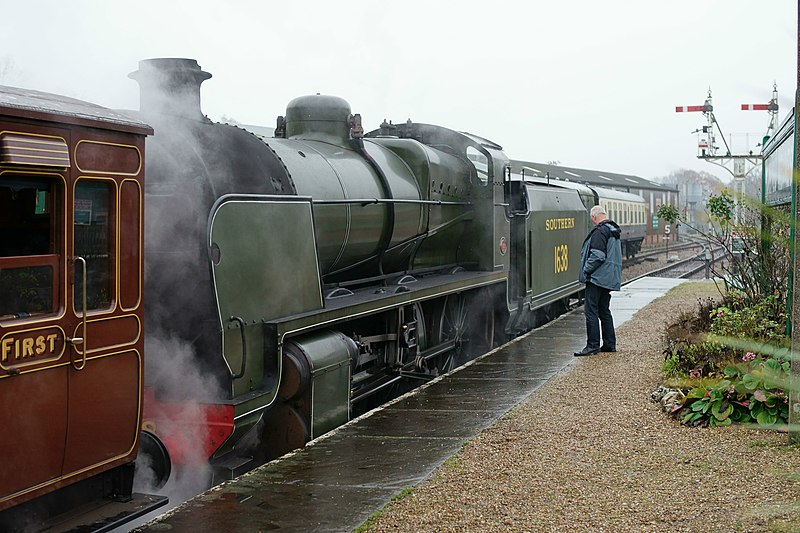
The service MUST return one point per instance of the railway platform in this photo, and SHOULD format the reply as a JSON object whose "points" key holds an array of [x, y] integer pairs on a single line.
{"points": [[339, 480]]}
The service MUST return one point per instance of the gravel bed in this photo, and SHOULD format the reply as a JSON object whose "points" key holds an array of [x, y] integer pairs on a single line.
{"points": [[589, 451]]}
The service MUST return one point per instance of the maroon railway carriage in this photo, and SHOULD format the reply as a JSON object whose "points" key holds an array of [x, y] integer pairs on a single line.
{"points": [[71, 305]]}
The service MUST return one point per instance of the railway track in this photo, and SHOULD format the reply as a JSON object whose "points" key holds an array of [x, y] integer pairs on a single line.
{"points": [[647, 256], [683, 268]]}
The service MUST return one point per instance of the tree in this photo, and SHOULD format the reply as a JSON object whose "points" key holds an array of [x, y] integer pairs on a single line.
{"points": [[694, 189], [756, 245]]}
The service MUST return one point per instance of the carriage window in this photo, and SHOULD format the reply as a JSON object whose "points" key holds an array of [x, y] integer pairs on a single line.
{"points": [[28, 247], [480, 162], [93, 225]]}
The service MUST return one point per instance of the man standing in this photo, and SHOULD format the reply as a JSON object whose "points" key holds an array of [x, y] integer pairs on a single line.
{"points": [[601, 271]]}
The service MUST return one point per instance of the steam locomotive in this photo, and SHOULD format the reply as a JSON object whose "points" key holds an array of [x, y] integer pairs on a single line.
{"points": [[279, 286]]}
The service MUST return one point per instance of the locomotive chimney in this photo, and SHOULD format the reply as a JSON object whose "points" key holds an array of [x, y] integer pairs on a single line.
{"points": [[170, 86]]}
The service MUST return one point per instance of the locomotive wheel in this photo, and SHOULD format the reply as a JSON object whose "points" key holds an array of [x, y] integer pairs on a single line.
{"points": [[452, 327], [467, 320], [153, 465], [420, 365]]}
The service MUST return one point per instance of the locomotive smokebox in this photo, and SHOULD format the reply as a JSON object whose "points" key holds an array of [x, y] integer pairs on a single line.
{"points": [[170, 86], [318, 118]]}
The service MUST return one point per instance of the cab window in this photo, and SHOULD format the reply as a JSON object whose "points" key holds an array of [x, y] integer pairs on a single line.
{"points": [[480, 162], [29, 243]]}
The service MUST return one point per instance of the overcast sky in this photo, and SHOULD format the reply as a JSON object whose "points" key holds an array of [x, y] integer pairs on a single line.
{"points": [[590, 83]]}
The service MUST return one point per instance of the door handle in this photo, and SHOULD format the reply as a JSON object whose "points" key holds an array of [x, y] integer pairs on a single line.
{"points": [[77, 341]]}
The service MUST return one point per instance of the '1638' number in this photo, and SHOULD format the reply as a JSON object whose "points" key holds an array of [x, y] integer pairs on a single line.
{"points": [[562, 258]]}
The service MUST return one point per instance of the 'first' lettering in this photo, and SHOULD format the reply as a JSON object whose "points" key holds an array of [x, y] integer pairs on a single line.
{"points": [[17, 349]]}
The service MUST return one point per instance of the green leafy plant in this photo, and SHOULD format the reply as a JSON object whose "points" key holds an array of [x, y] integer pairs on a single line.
{"points": [[753, 391], [700, 344], [763, 320], [712, 405]]}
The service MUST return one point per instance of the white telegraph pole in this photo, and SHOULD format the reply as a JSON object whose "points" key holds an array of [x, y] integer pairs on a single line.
{"points": [[739, 165]]}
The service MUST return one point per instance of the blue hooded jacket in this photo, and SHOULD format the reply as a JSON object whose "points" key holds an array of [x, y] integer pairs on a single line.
{"points": [[601, 256]]}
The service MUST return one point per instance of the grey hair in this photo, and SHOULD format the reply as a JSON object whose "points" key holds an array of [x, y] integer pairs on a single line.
{"points": [[597, 210]]}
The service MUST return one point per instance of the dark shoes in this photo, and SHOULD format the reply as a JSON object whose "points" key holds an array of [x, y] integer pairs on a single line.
{"points": [[590, 351]]}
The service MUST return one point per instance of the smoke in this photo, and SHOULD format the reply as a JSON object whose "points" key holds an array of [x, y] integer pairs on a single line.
{"points": [[183, 366], [184, 426], [190, 162], [172, 371], [184, 483], [6, 68], [145, 479], [188, 431], [177, 418]]}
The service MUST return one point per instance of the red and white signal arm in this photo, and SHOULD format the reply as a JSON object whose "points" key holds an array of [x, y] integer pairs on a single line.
{"points": [[693, 108]]}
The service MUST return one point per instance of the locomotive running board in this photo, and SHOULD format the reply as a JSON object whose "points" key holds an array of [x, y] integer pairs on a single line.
{"points": [[367, 301]]}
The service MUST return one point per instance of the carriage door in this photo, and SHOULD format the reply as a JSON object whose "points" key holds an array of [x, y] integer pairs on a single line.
{"points": [[33, 376], [106, 364]]}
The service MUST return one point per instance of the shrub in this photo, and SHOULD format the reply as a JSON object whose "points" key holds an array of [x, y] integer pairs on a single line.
{"points": [[725, 384], [755, 240], [760, 321], [687, 353], [689, 350]]}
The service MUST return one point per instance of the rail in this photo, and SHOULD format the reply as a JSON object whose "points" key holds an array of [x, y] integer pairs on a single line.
{"points": [[678, 266]]}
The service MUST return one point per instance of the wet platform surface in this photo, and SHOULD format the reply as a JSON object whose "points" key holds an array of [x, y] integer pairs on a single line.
{"points": [[341, 479]]}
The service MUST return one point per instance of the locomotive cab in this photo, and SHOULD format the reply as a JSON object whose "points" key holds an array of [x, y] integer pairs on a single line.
{"points": [[549, 221]]}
